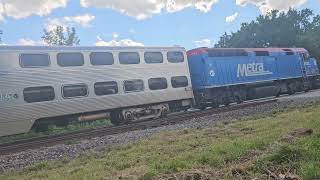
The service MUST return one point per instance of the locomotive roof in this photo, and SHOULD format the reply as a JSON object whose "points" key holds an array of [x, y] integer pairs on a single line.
{"points": [[84, 48], [275, 50]]}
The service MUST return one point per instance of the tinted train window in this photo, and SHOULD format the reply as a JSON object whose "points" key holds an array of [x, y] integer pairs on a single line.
{"points": [[38, 94], [101, 58], [70, 59], [262, 53], [175, 57], [34, 60], [158, 83], [133, 85], [79, 90], [105, 88], [153, 57], [179, 81], [129, 58]]}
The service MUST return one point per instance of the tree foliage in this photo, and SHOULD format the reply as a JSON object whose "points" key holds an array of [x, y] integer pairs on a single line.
{"points": [[61, 36], [278, 29]]}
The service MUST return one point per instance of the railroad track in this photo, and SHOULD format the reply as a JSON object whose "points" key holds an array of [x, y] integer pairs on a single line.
{"points": [[47, 141]]}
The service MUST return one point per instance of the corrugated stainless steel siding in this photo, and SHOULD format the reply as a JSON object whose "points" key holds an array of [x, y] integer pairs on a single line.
{"points": [[18, 116]]}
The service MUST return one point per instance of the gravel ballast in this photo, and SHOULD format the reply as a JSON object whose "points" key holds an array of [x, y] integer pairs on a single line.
{"points": [[31, 157]]}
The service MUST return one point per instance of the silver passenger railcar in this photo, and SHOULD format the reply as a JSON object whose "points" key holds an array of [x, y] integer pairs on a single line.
{"points": [[40, 84]]}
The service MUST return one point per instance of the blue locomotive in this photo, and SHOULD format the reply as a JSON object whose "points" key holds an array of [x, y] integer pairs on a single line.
{"points": [[224, 76]]}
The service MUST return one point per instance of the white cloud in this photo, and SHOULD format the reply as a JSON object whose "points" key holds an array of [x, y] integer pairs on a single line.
{"points": [[267, 5], [232, 18], [115, 35], [83, 20], [53, 23], [142, 9], [123, 42], [21, 9], [30, 42], [203, 43], [1, 13]]}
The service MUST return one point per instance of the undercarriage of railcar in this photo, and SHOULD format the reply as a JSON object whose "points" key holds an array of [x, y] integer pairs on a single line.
{"points": [[117, 116]]}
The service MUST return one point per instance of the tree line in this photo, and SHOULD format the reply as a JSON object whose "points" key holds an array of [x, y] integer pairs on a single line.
{"points": [[277, 29]]}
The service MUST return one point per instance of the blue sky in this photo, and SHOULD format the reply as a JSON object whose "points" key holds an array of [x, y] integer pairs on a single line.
{"points": [[188, 23]]}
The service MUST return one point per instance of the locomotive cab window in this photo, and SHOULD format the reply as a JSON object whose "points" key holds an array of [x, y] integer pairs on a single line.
{"points": [[157, 83], [175, 56], [34, 60], [70, 59], [129, 58], [38, 94], [133, 85], [72, 91], [153, 57], [179, 81], [101, 58], [105, 88]]}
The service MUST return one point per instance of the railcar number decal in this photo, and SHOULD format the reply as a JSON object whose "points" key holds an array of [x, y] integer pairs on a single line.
{"points": [[8, 96]]}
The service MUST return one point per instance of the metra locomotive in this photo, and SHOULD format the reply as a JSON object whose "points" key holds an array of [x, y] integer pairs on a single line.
{"points": [[40, 85], [222, 76]]}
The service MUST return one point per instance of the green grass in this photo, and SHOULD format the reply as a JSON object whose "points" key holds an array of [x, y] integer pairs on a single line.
{"points": [[53, 130], [252, 148]]}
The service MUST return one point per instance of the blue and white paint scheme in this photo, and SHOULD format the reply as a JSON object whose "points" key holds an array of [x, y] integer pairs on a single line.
{"points": [[224, 67]]}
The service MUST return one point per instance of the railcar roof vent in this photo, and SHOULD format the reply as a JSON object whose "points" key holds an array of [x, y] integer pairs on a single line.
{"points": [[227, 52], [288, 51], [262, 53]]}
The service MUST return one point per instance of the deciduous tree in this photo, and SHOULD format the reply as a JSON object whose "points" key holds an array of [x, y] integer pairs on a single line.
{"points": [[61, 36], [278, 29]]}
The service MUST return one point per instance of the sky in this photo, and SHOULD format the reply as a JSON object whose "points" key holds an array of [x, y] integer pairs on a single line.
{"points": [[187, 23]]}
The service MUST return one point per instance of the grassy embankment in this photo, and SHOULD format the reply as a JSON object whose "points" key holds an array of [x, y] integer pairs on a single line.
{"points": [[252, 148], [53, 130]]}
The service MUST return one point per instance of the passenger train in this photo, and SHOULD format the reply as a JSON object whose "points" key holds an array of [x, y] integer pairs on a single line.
{"points": [[41, 85]]}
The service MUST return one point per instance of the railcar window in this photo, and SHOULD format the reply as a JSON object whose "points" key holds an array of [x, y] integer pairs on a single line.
{"points": [[133, 85], [34, 60], [105, 88], [38, 94], [79, 90], [158, 83], [70, 59], [175, 57], [179, 81], [101, 58], [129, 58], [262, 53], [153, 57]]}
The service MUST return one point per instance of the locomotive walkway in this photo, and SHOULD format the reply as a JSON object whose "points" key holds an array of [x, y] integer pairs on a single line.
{"points": [[47, 141]]}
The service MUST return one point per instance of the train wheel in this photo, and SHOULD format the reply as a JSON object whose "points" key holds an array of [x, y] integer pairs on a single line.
{"points": [[292, 89], [116, 117], [239, 99]]}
